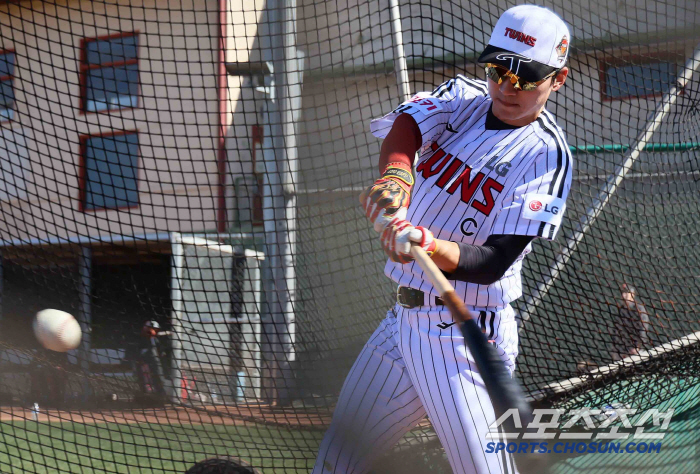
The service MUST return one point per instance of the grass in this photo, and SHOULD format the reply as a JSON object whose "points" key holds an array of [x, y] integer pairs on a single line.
{"points": [[68, 447]]}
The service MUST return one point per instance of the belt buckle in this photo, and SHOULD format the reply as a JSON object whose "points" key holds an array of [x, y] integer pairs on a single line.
{"points": [[398, 298]]}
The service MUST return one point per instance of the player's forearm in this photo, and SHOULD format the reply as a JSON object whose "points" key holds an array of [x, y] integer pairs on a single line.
{"points": [[401, 144], [446, 255]]}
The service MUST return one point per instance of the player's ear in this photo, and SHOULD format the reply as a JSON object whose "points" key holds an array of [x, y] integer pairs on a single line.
{"points": [[560, 78]]}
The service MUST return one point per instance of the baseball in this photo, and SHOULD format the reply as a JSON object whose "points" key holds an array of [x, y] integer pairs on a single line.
{"points": [[57, 330]]}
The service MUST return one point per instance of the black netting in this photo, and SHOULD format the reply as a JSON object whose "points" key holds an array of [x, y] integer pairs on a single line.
{"points": [[198, 164]]}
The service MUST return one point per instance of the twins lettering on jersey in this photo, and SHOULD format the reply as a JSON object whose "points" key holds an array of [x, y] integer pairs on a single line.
{"points": [[448, 165]]}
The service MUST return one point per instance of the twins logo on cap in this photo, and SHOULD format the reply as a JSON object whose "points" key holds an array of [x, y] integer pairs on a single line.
{"points": [[515, 60]]}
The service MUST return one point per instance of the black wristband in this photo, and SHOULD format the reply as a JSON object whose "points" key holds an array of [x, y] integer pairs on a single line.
{"points": [[394, 172]]}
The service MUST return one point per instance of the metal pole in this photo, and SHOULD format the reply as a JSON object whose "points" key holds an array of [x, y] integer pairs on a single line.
{"points": [[279, 280], [400, 65], [279, 200], [176, 263], [612, 184], [290, 95], [286, 97], [254, 308], [270, 188]]}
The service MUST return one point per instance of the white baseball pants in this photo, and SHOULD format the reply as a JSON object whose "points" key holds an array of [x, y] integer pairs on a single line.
{"points": [[416, 364]]}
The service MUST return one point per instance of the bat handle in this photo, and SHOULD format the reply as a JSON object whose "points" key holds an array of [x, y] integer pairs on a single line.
{"points": [[459, 311]]}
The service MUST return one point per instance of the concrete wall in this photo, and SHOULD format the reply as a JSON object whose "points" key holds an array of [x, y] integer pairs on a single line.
{"points": [[177, 118]]}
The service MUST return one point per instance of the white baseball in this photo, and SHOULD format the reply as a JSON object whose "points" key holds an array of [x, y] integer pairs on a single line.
{"points": [[57, 330]]}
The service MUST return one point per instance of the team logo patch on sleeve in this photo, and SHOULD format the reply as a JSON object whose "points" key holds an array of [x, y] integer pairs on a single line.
{"points": [[544, 208], [424, 103]]}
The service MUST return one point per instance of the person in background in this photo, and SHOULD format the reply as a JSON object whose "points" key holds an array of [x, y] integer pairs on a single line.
{"points": [[631, 332], [149, 367]]}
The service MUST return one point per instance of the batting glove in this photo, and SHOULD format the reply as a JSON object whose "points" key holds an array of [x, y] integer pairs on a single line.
{"points": [[388, 198], [398, 236]]}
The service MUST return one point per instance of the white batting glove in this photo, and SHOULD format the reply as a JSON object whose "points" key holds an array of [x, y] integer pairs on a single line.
{"points": [[383, 218], [397, 239]]}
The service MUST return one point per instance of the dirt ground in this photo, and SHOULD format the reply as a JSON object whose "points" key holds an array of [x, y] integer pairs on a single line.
{"points": [[206, 414]]}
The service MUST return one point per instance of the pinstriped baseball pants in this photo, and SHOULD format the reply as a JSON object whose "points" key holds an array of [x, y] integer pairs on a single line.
{"points": [[416, 364]]}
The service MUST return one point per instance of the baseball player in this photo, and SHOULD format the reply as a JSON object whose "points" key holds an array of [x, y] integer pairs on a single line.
{"points": [[493, 173], [631, 333], [148, 364]]}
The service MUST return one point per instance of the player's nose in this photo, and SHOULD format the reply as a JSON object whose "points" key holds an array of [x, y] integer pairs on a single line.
{"points": [[507, 88]]}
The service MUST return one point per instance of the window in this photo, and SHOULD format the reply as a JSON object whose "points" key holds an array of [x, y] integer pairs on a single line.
{"points": [[7, 90], [110, 172], [629, 80], [110, 73]]}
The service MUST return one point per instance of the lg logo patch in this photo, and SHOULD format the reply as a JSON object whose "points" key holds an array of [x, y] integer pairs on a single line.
{"points": [[536, 206], [543, 208]]}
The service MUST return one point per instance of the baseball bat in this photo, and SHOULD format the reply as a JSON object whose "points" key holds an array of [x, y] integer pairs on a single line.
{"points": [[504, 391]]}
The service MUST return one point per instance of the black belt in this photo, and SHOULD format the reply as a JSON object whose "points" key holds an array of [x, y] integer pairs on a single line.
{"points": [[410, 298]]}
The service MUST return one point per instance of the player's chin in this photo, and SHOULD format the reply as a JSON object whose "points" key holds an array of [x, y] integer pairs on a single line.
{"points": [[508, 107]]}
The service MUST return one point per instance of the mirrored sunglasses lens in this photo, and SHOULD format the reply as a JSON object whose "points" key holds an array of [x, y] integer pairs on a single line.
{"points": [[492, 74], [497, 74], [501, 71]]}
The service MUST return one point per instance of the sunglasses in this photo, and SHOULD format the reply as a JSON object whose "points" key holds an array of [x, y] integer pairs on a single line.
{"points": [[498, 73]]}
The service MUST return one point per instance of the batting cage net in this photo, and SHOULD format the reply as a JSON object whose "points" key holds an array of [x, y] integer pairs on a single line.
{"points": [[183, 177]]}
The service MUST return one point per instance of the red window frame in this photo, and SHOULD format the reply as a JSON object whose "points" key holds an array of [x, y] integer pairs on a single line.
{"points": [[85, 67], [82, 169], [12, 77], [639, 60]]}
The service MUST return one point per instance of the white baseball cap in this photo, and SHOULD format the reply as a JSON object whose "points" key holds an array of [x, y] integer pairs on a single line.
{"points": [[531, 41]]}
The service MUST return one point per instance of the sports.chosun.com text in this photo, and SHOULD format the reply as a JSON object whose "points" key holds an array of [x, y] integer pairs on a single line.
{"points": [[573, 447]]}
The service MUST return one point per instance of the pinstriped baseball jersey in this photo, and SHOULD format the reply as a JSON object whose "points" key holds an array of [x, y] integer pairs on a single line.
{"points": [[474, 180]]}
